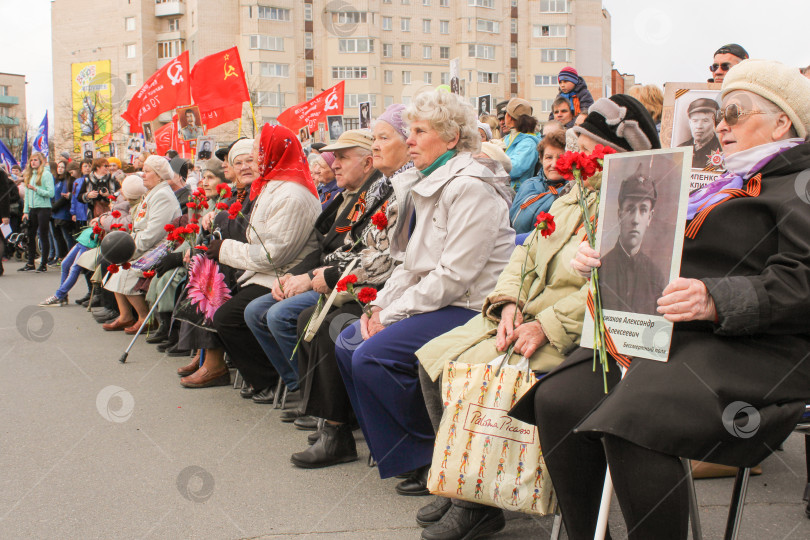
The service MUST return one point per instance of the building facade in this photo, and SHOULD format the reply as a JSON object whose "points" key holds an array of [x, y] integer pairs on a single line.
{"points": [[12, 111], [386, 50]]}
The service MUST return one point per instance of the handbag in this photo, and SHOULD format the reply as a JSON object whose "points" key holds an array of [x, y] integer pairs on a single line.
{"points": [[476, 432], [148, 260]]}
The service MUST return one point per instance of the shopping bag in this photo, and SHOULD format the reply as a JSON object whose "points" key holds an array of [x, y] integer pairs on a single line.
{"points": [[148, 260], [482, 454]]}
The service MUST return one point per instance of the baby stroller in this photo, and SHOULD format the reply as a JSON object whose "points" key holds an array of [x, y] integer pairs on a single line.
{"points": [[17, 244]]}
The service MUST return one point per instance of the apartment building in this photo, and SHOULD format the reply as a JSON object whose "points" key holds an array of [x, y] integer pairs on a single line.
{"points": [[386, 50], [12, 111]]}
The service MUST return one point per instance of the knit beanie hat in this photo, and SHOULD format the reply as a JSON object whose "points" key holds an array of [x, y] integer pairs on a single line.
{"points": [[487, 130], [132, 187], [180, 167], [782, 85], [214, 166], [620, 122], [240, 148], [493, 151], [161, 167], [393, 115], [568, 74]]}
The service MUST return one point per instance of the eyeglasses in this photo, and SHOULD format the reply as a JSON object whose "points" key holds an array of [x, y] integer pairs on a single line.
{"points": [[732, 113], [725, 65]]}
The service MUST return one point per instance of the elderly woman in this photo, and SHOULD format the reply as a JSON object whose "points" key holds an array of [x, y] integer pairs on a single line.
{"points": [[544, 321], [520, 141], [284, 209], [320, 167], [157, 209], [323, 392], [458, 236], [741, 309]]}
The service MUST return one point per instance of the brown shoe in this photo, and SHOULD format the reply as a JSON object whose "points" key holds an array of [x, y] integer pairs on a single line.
{"points": [[702, 469], [132, 330], [203, 378], [116, 325], [190, 368]]}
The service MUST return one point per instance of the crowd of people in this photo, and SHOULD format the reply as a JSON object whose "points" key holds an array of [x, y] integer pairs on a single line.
{"points": [[430, 209]]}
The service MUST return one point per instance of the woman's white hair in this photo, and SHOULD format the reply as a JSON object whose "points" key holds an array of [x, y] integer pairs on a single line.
{"points": [[449, 115]]}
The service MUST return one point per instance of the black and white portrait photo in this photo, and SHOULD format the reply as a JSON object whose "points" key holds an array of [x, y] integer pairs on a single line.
{"points": [[335, 124]]}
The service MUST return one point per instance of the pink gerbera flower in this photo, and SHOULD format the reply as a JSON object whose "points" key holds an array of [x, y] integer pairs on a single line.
{"points": [[206, 286]]}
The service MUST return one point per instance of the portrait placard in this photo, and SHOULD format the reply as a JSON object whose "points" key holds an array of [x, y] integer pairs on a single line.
{"points": [[88, 149], [335, 124], [190, 122], [365, 115], [642, 217], [206, 146], [484, 104], [134, 146]]}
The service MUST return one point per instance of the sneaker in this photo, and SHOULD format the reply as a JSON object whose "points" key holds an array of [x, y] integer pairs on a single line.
{"points": [[26, 268], [42, 269], [54, 301]]}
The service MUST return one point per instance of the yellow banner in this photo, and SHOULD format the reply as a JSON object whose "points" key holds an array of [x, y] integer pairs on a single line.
{"points": [[91, 90]]}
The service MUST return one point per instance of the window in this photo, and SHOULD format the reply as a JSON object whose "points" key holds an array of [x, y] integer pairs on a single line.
{"points": [[3, 90], [425, 2], [388, 76], [428, 77], [350, 17], [406, 2], [266, 43], [310, 68], [388, 101], [513, 26], [553, 6], [405, 51], [483, 25], [351, 123], [487, 52], [308, 40], [169, 49], [406, 77], [426, 26], [481, 3], [445, 78], [269, 99], [513, 76], [388, 50], [545, 80], [354, 100], [545, 105], [310, 90], [129, 23], [350, 73], [130, 51], [130, 78], [386, 1], [386, 23], [548, 30], [307, 12], [487, 78], [274, 14], [444, 53], [513, 50], [555, 55], [174, 25], [444, 3], [356, 45], [268, 69], [427, 52], [405, 24], [444, 27]]}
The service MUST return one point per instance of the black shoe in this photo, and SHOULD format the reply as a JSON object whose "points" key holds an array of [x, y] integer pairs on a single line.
{"points": [[461, 523], [162, 333], [265, 396], [83, 300], [291, 415], [247, 392], [174, 337], [335, 445], [42, 269], [26, 268], [177, 352], [313, 437], [306, 423], [416, 485], [97, 301], [105, 315], [432, 513]]}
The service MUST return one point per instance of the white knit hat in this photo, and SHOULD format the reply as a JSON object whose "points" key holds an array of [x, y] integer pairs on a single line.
{"points": [[240, 147], [493, 151], [132, 187], [161, 166], [782, 85]]}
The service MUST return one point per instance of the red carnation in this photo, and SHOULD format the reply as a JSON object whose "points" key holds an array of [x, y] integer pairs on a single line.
{"points": [[97, 229], [234, 210], [201, 248], [126, 266], [222, 206], [168, 227], [564, 165], [193, 227], [129, 226], [343, 284], [367, 295], [149, 274], [600, 151], [116, 214], [191, 205], [112, 269], [224, 190], [380, 220], [545, 224], [204, 203], [585, 164]]}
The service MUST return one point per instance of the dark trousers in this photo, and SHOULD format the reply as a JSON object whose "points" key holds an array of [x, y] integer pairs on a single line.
{"points": [[39, 222], [650, 486], [240, 344], [62, 233], [322, 390]]}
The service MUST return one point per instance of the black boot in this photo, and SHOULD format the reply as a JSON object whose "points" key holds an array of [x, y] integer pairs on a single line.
{"points": [[416, 485], [335, 445], [162, 333], [171, 341], [433, 512], [83, 300], [462, 522]]}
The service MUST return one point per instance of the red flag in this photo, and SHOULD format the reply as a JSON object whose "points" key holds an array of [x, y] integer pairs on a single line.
{"points": [[219, 88], [163, 138], [167, 89], [309, 113]]}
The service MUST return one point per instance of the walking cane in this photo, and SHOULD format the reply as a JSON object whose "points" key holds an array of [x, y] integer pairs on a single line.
{"points": [[123, 358]]}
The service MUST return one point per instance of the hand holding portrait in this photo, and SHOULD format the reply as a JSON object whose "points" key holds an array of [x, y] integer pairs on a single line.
{"points": [[687, 300]]}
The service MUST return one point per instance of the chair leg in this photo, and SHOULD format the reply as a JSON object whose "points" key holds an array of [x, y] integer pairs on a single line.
{"points": [[236, 379], [735, 510], [284, 397], [556, 527], [278, 394], [371, 462], [806, 497], [694, 514]]}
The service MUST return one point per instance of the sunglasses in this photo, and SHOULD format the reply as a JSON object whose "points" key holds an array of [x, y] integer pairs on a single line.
{"points": [[732, 113], [725, 66]]}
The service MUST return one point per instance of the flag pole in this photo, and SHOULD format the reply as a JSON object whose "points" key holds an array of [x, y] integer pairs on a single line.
{"points": [[253, 114]]}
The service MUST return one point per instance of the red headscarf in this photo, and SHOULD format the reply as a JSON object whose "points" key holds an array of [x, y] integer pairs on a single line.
{"points": [[281, 158]]}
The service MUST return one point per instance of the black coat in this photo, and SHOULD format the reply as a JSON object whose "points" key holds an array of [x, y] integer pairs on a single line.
{"points": [[753, 254]]}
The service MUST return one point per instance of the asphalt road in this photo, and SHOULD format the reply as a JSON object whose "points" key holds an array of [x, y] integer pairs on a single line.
{"points": [[91, 448]]}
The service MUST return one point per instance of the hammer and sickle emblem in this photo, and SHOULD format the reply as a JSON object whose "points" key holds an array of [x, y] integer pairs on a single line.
{"points": [[331, 101], [230, 71], [175, 72]]}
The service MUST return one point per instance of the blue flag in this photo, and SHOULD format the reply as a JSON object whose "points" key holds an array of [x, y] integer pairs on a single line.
{"points": [[6, 158], [40, 142], [24, 155]]}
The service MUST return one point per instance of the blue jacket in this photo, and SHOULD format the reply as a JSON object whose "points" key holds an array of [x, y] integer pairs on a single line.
{"points": [[522, 151], [78, 208], [327, 192], [63, 212], [534, 196]]}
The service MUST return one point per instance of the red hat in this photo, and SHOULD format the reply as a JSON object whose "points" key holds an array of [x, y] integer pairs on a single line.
{"points": [[568, 74]]}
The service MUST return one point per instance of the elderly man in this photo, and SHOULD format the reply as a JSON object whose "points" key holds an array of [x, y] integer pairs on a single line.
{"points": [[273, 318], [725, 57], [702, 117]]}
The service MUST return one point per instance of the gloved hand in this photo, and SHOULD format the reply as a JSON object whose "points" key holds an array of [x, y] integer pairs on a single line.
{"points": [[213, 249], [169, 262]]}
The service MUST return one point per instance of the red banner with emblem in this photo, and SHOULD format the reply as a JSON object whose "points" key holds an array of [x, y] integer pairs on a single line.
{"points": [[167, 89], [219, 88], [309, 113], [163, 138]]}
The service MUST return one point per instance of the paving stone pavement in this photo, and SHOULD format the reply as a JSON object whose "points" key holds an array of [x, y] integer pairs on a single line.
{"points": [[91, 448]]}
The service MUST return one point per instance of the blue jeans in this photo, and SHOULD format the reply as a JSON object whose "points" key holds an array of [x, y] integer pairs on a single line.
{"points": [[70, 271], [275, 326]]}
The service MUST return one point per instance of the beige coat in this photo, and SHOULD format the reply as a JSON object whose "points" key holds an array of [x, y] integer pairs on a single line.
{"points": [[552, 293], [461, 242]]}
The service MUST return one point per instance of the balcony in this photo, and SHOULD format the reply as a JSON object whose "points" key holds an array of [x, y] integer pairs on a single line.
{"points": [[170, 36], [168, 8], [9, 121], [9, 100]]}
